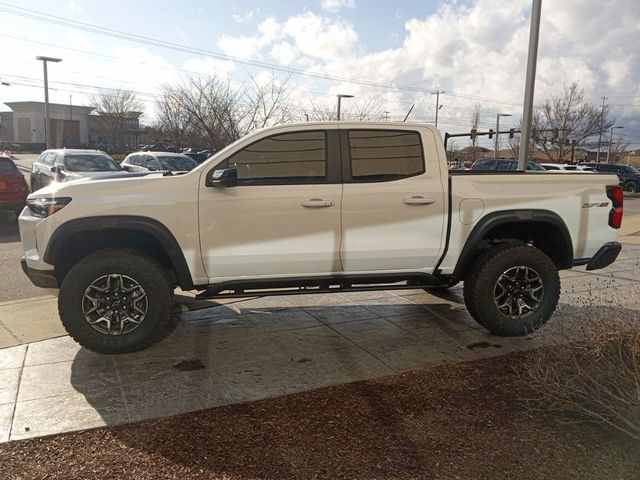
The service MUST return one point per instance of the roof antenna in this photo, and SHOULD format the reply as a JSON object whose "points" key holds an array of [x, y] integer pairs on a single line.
{"points": [[408, 113]]}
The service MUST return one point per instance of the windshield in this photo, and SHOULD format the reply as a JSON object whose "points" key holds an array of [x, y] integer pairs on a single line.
{"points": [[177, 163], [6, 165], [90, 163]]}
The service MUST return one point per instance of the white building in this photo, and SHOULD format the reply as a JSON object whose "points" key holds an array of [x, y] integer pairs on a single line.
{"points": [[25, 124]]}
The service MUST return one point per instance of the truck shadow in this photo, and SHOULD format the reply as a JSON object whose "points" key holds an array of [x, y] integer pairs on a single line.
{"points": [[268, 380]]}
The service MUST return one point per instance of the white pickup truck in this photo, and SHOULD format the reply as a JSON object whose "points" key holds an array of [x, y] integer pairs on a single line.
{"points": [[314, 207]]}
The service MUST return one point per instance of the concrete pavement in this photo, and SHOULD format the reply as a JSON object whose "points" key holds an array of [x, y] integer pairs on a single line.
{"points": [[264, 347]]}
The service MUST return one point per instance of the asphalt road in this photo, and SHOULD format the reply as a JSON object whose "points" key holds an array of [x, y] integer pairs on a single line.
{"points": [[14, 285]]}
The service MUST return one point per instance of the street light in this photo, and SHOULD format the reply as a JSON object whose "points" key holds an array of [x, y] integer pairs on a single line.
{"points": [[437, 93], [340, 97], [495, 153], [46, 94], [610, 140]]}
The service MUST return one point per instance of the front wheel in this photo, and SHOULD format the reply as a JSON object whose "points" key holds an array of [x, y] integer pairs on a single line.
{"points": [[631, 187], [116, 301], [512, 290]]}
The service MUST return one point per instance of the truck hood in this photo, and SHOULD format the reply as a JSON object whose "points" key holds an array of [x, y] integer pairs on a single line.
{"points": [[102, 180]]}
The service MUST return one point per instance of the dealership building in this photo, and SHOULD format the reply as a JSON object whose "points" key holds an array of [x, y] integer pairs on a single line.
{"points": [[70, 125]]}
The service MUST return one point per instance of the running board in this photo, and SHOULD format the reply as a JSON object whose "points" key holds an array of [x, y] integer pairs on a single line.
{"points": [[309, 285]]}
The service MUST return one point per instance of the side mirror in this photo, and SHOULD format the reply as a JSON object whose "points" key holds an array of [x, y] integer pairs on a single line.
{"points": [[222, 178], [58, 172], [56, 169]]}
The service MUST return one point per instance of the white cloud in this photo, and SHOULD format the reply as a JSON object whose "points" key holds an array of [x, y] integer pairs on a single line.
{"points": [[246, 17], [335, 5]]}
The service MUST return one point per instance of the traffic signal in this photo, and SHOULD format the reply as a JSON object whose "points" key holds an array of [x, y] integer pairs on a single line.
{"points": [[473, 133], [490, 133], [512, 132]]}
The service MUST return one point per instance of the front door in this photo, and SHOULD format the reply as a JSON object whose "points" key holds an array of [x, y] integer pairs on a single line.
{"points": [[393, 203], [283, 217]]}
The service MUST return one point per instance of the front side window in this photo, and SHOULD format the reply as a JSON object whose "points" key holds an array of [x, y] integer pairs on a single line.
{"points": [[177, 163], [385, 155], [49, 159], [289, 158]]}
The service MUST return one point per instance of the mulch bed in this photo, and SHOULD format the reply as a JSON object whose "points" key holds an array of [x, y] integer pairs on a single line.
{"points": [[462, 421]]}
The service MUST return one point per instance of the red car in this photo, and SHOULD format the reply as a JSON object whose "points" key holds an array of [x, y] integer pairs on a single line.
{"points": [[13, 187]]}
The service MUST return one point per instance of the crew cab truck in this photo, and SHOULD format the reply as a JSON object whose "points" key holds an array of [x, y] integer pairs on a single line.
{"points": [[314, 207]]}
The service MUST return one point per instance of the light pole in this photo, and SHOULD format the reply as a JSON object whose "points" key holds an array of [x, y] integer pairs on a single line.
{"points": [[530, 84], [610, 140], [495, 152], [46, 95], [340, 97], [438, 106]]}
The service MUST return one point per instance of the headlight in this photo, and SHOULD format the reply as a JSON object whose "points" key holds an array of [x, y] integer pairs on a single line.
{"points": [[43, 207]]}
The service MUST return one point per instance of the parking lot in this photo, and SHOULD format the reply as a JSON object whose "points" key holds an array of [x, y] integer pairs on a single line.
{"points": [[254, 348]]}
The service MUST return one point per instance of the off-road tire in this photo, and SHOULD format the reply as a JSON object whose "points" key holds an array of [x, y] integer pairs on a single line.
{"points": [[147, 272], [483, 275]]}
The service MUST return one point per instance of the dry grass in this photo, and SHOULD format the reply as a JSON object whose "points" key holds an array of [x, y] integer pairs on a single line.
{"points": [[595, 377]]}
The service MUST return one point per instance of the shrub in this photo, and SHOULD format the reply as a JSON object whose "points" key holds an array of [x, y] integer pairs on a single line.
{"points": [[596, 375]]}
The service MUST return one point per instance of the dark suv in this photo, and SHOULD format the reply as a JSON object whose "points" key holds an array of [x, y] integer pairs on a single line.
{"points": [[503, 164], [629, 176]]}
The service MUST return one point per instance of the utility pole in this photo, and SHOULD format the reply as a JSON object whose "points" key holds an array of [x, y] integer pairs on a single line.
{"points": [[610, 140], [530, 85], [46, 95], [70, 111], [386, 115], [438, 106], [600, 134], [495, 152]]}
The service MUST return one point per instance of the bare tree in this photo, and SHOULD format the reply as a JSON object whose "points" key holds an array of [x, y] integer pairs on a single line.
{"points": [[173, 119], [353, 110], [117, 111], [209, 111], [563, 119], [265, 104]]}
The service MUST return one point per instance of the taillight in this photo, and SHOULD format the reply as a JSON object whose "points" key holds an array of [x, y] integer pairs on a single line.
{"points": [[615, 215]]}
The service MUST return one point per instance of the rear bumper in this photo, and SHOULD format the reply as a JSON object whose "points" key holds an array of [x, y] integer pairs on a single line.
{"points": [[40, 278], [604, 257]]}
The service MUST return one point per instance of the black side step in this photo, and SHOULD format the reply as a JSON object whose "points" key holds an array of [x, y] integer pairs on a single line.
{"points": [[307, 285]]}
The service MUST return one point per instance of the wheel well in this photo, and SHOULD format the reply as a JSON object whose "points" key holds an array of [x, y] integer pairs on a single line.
{"points": [[545, 236], [84, 243]]}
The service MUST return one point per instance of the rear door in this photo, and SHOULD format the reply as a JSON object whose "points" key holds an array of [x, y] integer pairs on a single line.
{"points": [[393, 203]]}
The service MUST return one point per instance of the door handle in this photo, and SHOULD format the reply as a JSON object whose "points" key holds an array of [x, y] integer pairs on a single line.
{"points": [[317, 203], [419, 200]]}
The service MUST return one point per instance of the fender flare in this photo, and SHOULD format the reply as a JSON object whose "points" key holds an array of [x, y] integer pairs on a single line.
{"points": [[503, 217], [59, 238]]}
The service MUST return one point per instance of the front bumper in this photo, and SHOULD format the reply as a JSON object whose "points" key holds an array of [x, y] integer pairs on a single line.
{"points": [[605, 256], [40, 278]]}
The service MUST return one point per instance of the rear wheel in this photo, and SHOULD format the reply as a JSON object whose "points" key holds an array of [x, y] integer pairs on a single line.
{"points": [[512, 290], [116, 301], [631, 187]]}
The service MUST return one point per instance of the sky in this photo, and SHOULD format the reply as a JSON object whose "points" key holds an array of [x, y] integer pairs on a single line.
{"points": [[391, 53]]}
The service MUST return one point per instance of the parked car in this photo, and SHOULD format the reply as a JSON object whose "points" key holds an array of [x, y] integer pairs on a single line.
{"points": [[503, 164], [314, 208], [159, 147], [69, 164], [199, 157], [629, 176], [566, 167], [13, 186], [158, 161]]}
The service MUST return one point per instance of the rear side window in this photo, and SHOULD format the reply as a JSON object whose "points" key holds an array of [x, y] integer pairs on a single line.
{"points": [[385, 155]]}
